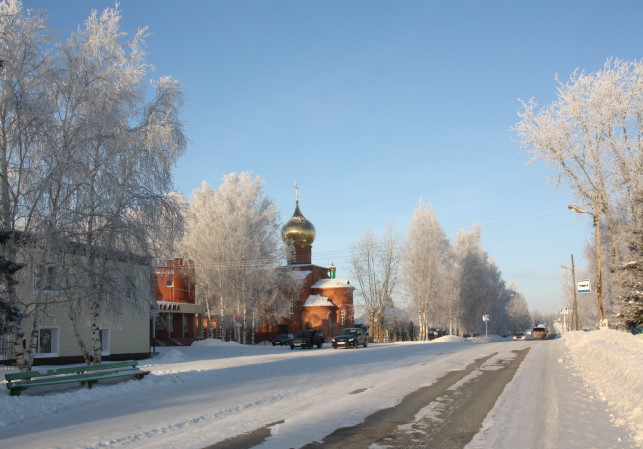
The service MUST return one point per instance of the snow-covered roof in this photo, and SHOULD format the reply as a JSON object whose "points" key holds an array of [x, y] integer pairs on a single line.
{"points": [[303, 274], [332, 283], [317, 301]]}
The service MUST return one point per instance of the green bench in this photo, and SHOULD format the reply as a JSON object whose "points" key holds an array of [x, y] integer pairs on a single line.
{"points": [[85, 375]]}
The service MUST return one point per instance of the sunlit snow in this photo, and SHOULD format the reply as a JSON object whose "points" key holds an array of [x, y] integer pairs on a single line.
{"points": [[582, 390]]}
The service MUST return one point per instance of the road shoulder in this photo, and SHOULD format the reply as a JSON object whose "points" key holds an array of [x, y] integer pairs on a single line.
{"points": [[547, 406]]}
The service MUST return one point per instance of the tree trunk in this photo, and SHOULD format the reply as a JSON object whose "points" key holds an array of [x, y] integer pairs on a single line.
{"points": [[81, 344], [97, 347], [210, 331]]}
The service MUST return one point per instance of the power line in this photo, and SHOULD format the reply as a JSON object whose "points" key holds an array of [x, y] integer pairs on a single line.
{"points": [[510, 219]]}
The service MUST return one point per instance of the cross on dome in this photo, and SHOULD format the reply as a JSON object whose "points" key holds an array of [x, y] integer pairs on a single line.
{"points": [[298, 230]]}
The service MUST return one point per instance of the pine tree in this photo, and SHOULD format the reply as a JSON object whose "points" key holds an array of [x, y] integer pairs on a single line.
{"points": [[9, 312]]}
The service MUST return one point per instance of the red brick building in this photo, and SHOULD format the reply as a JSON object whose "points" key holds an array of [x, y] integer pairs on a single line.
{"points": [[177, 319]]}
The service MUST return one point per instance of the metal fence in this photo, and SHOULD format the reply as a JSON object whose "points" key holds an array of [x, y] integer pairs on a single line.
{"points": [[6, 360]]}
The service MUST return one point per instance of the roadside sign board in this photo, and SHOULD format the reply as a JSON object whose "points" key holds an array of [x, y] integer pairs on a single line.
{"points": [[583, 286], [485, 317]]}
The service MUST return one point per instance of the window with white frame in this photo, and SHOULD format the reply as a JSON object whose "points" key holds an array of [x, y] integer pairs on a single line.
{"points": [[342, 316], [47, 342], [49, 283], [105, 341]]}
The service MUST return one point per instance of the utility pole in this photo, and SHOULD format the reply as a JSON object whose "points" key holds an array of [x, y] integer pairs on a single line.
{"points": [[599, 273], [575, 324], [599, 276]]}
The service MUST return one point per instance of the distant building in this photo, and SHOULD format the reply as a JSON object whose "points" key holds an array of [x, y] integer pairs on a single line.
{"points": [[325, 302]]}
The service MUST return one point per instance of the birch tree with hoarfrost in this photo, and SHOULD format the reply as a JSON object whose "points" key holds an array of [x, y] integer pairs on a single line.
{"points": [[124, 149], [591, 138], [25, 114], [232, 235], [376, 266], [480, 288], [427, 268], [92, 166]]}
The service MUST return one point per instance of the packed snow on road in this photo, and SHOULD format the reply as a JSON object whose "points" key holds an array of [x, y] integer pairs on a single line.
{"points": [[582, 390]]}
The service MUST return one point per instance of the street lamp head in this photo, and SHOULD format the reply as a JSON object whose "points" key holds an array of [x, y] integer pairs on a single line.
{"points": [[578, 210]]}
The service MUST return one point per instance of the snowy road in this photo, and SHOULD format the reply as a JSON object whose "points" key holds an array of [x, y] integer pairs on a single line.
{"points": [[200, 396], [446, 414], [548, 406]]}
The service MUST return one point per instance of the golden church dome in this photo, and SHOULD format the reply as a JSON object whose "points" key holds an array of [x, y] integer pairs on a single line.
{"points": [[298, 230]]}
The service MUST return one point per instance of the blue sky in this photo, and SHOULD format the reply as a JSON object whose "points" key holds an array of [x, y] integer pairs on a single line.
{"points": [[371, 105]]}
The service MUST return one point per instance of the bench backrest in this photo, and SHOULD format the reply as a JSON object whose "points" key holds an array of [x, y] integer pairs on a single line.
{"points": [[70, 370]]}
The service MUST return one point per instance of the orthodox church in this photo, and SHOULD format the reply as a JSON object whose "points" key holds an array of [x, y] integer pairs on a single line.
{"points": [[325, 303]]}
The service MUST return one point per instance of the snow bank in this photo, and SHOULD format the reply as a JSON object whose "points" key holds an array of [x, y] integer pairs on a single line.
{"points": [[451, 339], [172, 355], [456, 339], [610, 363], [213, 342], [488, 339]]}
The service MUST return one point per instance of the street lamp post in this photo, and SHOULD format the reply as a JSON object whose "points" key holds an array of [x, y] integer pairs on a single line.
{"points": [[574, 303], [597, 236]]}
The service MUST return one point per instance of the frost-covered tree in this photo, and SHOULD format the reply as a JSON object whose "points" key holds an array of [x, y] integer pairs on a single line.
{"points": [[591, 138], [518, 311], [376, 266], [25, 158], [232, 235], [122, 149], [629, 285], [166, 228], [86, 158], [480, 288], [427, 266]]}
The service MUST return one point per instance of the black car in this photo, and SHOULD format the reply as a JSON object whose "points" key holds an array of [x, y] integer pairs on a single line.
{"points": [[282, 340], [350, 337], [519, 336], [307, 339]]}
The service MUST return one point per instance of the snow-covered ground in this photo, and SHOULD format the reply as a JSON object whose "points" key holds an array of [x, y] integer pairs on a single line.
{"points": [[582, 390]]}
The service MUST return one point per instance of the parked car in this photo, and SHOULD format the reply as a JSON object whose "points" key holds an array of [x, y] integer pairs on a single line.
{"points": [[307, 339], [436, 333], [519, 336], [350, 337], [282, 340], [539, 333]]}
